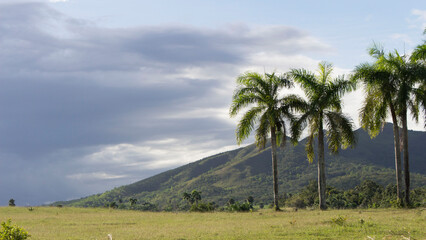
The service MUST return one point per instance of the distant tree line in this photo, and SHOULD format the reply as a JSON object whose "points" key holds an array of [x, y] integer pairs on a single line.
{"points": [[368, 194]]}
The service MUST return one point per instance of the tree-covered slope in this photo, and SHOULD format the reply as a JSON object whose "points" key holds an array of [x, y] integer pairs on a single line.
{"points": [[247, 171]]}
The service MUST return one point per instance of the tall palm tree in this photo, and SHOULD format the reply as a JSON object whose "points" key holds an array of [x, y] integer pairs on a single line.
{"points": [[261, 93], [322, 110], [380, 88], [410, 96], [419, 56]]}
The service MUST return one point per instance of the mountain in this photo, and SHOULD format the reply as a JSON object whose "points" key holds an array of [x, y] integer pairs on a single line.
{"points": [[247, 171]]}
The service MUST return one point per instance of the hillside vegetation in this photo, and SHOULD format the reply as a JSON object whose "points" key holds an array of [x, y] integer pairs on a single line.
{"points": [[246, 172]]}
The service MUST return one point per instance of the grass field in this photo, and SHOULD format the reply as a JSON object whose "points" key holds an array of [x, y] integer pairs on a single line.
{"points": [[85, 224]]}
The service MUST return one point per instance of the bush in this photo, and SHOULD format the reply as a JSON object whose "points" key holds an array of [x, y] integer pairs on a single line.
{"points": [[9, 232], [146, 206], [296, 202], [11, 202], [202, 207], [240, 207]]}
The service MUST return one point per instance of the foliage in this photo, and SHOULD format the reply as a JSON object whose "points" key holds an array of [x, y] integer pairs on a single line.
{"points": [[11, 202], [246, 206], [133, 201], [112, 205], [366, 195], [192, 197], [203, 207], [146, 206], [12, 232], [240, 207], [250, 200]]}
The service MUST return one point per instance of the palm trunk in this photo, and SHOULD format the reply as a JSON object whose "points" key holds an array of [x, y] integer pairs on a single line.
{"points": [[321, 169], [406, 163], [398, 168], [274, 167]]}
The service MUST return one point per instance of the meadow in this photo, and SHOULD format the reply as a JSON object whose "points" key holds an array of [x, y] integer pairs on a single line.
{"points": [[97, 223]]}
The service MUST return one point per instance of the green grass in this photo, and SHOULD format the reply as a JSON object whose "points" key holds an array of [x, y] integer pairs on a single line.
{"points": [[85, 224]]}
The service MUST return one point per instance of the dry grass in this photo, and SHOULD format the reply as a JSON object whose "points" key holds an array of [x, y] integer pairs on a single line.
{"points": [[85, 224]]}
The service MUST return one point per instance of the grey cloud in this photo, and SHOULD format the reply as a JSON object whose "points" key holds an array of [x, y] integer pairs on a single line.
{"points": [[70, 88]]}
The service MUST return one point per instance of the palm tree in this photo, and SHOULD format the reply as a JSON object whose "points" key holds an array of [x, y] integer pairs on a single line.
{"points": [[322, 110], [420, 52], [419, 56], [410, 76], [380, 88], [261, 93]]}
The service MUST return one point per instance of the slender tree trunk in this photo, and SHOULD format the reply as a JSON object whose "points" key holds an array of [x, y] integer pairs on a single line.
{"points": [[406, 163], [396, 143], [274, 167], [321, 168]]}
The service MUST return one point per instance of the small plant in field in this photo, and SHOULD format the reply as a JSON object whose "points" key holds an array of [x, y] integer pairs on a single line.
{"points": [[339, 220], [30, 209], [11, 202], [9, 232]]}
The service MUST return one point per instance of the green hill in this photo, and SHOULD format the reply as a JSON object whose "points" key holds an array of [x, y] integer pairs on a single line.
{"points": [[247, 171]]}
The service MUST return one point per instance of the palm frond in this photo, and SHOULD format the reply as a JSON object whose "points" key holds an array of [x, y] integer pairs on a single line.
{"points": [[306, 80], [339, 131], [241, 101], [297, 127], [325, 70], [376, 50], [309, 148], [419, 53], [246, 124]]}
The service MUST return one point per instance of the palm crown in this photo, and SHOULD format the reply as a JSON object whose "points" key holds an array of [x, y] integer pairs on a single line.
{"points": [[323, 106], [269, 109]]}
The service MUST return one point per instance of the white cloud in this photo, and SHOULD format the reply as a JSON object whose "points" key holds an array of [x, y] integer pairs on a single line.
{"points": [[421, 14], [94, 176], [403, 37], [420, 18]]}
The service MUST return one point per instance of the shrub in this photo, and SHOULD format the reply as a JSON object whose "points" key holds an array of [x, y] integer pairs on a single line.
{"points": [[113, 205], [11, 202], [240, 207], [9, 232], [202, 207]]}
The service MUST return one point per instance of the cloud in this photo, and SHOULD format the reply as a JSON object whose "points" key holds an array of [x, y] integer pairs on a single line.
{"points": [[403, 37], [420, 18], [87, 108]]}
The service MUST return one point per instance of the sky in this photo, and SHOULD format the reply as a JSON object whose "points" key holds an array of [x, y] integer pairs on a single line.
{"points": [[95, 94]]}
